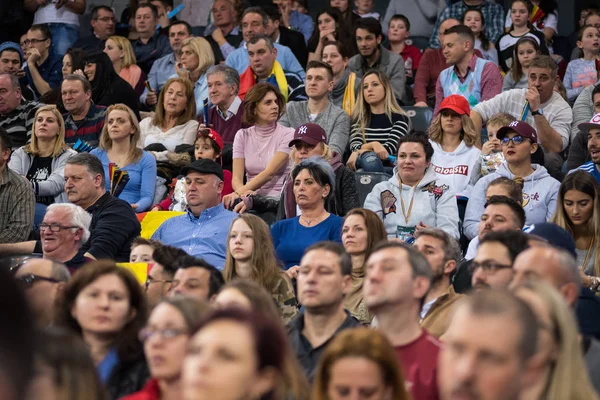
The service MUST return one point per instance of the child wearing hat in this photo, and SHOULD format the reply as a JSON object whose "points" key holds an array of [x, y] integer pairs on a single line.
{"points": [[208, 145]]}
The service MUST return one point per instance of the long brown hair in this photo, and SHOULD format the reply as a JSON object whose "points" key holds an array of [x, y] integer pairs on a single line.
{"points": [[134, 154], [468, 133], [375, 229], [516, 72], [253, 99], [59, 140], [189, 111]]}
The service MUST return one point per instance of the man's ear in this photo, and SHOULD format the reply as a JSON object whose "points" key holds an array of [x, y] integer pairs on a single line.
{"points": [[449, 267], [379, 39], [421, 286]]}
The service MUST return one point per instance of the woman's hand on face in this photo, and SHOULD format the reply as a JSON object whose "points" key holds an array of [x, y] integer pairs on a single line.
{"points": [[327, 35], [351, 163], [293, 272], [181, 71], [229, 199]]}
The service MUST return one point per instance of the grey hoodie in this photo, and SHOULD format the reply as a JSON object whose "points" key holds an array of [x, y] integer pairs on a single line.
{"points": [[434, 204], [540, 191]]}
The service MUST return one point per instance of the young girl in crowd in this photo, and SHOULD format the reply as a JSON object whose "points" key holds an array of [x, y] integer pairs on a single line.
{"points": [[578, 212], [525, 50], [379, 123], [453, 138], [583, 72], [330, 27], [475, 20], [491, 152], [543, 18], [398, 32], [520, 11]]}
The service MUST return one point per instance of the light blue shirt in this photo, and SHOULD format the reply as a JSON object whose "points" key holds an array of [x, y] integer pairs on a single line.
{"points": [[204, 236], [239, 60], [302, 23], [159, 74]]}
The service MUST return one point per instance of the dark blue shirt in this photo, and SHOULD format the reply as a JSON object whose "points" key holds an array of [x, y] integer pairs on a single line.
{"points": [[158, 46], [50, 70]]}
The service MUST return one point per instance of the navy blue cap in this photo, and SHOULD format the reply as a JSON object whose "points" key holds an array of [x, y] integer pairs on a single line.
{"points": [[554, 235]]}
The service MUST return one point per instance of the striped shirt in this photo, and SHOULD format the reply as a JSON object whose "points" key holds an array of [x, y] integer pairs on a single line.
{"points": [[18, 123], [381, 130], [17, 206], [89, 129], [592, 169]]}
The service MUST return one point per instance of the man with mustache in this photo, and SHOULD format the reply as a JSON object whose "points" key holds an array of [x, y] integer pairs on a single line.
{"points": [[592, 131]]}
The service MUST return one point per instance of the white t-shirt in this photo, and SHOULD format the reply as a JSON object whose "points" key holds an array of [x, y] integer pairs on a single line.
{"points": [[49, 14]]}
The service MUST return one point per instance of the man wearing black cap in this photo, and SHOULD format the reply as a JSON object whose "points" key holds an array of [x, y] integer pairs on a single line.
{"points": [[202, 231]]}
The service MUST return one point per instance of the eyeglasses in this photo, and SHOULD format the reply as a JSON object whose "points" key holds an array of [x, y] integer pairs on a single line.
{"points": [[169, 333], [150, 280], [489, 267], [27, 281], [516, 140], [27, 42], [106, 19], [55, 227]]}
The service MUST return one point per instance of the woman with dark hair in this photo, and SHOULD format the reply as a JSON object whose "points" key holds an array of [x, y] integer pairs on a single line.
{"points": [[108, 87], [362, 229], [105, 304], [314, 183], [474, 19], [63, 368], [235, 354], [349, 17], [345, 82], [525, 50], [330, 27], [73, 60], [543, 17], [413, 198]]}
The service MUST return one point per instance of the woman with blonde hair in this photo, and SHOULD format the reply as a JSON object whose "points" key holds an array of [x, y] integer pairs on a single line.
{"points": [[43, 160], [578, 212], [379, 123], [117, 146], [120, 52], [358, 360], [565, 375], [453, 138], [196, 58], [251, 255]]}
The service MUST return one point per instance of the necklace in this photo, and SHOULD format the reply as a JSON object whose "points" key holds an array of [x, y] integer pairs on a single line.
{"points": [[588, 252], [309, 222]]}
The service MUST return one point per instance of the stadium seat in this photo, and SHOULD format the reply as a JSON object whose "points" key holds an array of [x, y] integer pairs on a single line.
{"points": [[365, 181], [420, 117]]}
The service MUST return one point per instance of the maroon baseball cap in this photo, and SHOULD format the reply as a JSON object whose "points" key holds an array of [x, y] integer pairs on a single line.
{"points": [[521, 128], [311, 134]]}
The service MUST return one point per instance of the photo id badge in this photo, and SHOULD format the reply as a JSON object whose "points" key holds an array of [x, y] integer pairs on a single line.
{"points": [[406, 233]]}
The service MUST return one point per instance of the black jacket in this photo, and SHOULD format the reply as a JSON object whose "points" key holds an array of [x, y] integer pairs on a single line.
{"points": [[128, 377], [295, 41], [578, 152]]}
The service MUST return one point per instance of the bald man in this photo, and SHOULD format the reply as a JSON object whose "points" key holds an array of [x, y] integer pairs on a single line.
{"points": [[42, 280]]}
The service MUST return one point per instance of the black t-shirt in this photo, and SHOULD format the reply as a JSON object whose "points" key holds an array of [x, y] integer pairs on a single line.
{"points": [[40, 171]]}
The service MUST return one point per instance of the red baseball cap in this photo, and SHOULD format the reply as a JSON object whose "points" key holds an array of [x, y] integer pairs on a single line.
{"points": [[213, 135], [521, 128], [456, 103], [312, 134]]}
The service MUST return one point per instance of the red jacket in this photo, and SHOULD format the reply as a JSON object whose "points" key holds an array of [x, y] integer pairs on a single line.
{"points": [[150, 391]]}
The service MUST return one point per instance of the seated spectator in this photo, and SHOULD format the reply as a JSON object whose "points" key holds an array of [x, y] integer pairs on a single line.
{"points": [[11, 62], [372, 55], [295, 20], [361, 231], [254, 22], [251, 256], [43, 160], [524, 51], [163, 7], [391, 267], [372, 361], [349, 17], [42, 281], [196, 59], [285, 35], [162, 272], [178, 315], [542, 17], [318, 109], [151, 45], [453, 138], [475, 20], [592, 17], [226, 35], [583, 72], [108, 87], [432, 64], [378, 123], [264, 67], [201, 232], [398, 33], [117, 149], [84, 119], [468, 75], [261, 151], [519, 142], [520, 27], [17, 200], [435, 205], [345, 82], [173, 122], [142, 249], [103, 23], [121, 55], [592, 131], [73, 60], [548, 113], [422, 14], [324, 280], [586, 106], [196, 278], [43, 67], [492, 12], [114, 345], [330, 28], [492, 267], [164, 68], [16, 113], [314, 182]]}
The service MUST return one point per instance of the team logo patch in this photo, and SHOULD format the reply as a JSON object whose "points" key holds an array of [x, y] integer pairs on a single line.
{"points": [[388, 202], [435, 190], [302, 130]]}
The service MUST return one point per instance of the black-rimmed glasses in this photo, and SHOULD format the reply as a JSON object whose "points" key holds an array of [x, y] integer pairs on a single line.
{"points": [[27, 281]]}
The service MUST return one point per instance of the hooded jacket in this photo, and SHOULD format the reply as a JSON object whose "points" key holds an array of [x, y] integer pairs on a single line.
{"points": [[540, 192], [454, 168], [434, 204]]}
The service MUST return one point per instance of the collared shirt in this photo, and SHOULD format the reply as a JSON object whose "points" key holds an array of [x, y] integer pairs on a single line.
{"points": [[309, 356], [203, 236], [232, 110], [89, 129], [437, 314], [50, 71], [158, 46], [239, 60], [17, 206], [161, 71], [18, 122], [302, 23], [227, 48]]}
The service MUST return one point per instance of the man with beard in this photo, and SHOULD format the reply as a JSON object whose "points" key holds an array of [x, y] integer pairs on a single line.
{"points": [[443, 253], [592, 131]]}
